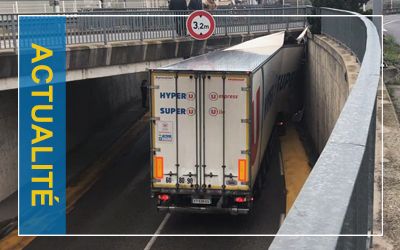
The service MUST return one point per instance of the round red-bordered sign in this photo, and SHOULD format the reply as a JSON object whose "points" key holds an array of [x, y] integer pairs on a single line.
{"points": [[200, 25]]}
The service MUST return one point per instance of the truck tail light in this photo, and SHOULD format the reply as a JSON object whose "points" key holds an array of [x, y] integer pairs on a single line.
{"points": [[242, 170], [240, 199], [159, 168], [280, 123], [163, 197]]}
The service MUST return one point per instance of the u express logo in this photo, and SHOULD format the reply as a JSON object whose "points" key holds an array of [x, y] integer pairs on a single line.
{"points": [[171, 95], [180, 111], [214, 96]]}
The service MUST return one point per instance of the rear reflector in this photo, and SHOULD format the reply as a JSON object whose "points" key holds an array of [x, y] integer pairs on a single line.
{"points": [[242, 170], [163, 197], [159, 171], [240, 199]]}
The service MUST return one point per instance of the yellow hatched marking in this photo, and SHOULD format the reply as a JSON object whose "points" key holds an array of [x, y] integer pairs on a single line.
{"points": [[295, 163]]}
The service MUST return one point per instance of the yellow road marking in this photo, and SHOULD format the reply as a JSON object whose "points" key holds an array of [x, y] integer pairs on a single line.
{"points": [[85, 180], [295, 163]]}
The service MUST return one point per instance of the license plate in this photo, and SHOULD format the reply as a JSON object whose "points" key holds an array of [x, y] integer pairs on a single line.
{"points": [[201, 201]]}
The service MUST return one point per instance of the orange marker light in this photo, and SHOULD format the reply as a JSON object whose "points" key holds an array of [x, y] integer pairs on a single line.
{"points": [[159, 171], [242, 170]]}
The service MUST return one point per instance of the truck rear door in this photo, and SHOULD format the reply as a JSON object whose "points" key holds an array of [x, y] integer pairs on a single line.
{"points": [[224, 131], [200, 130], [174, 140]]}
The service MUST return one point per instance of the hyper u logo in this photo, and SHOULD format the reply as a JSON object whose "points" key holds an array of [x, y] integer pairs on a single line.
{"points": [[180, 111], [172, 95], [42, 140]]}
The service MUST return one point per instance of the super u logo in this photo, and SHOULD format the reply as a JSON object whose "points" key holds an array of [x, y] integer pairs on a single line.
{"points": [[191, 111]]}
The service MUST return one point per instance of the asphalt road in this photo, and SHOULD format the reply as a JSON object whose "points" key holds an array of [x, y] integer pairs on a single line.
{"points": [[391, 24], [120, 203]]}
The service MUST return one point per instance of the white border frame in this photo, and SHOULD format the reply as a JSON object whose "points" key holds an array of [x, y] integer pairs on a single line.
{"points": [[214, 235]]}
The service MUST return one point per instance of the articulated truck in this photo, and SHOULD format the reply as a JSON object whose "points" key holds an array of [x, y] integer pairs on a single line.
{"points": [[214, 118]]}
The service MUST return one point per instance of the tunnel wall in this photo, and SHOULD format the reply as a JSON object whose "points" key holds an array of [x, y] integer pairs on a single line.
{"points": [[8, 142], [91, 103], [330, 75]]}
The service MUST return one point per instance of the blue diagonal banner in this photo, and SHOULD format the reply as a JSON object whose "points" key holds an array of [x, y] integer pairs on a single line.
{"points": [[42, 162]]}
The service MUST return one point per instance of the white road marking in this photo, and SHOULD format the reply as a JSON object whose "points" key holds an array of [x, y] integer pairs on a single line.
{"points": [[280, 162], [385, 30], [139, 178], [159, 229], [391, 22], [282, 219]]}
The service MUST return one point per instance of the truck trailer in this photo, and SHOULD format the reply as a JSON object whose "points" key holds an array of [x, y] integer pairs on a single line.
{"points": [[214, 120]]}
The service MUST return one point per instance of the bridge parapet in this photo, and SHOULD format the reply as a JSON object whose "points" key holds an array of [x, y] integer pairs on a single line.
{"points": [[337, 197]]}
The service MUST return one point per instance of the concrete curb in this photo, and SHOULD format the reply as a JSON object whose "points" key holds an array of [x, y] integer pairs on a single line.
{"points": [[8, 226]]}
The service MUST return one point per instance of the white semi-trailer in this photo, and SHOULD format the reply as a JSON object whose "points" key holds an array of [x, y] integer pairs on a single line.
{"points": [[213, 118]]}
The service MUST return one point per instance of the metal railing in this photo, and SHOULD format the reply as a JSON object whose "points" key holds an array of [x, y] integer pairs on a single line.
{"points": [[67, 6], [391, 11], [391, 7], [83, 28], [337, 197], [220, 7]]}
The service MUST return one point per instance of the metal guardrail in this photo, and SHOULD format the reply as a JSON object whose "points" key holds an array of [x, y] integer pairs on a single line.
{"points": [[391, 11], [29, 6], [337, 197], [84, 28], [391, 7], [220, 7]]}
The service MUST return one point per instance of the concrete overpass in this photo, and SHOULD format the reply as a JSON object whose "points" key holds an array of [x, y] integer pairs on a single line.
{"points": [[87, 61]]}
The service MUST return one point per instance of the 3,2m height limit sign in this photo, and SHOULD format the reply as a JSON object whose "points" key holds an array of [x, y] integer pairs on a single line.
{"points": [[200, 25]]}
